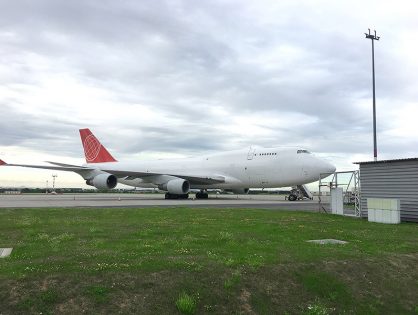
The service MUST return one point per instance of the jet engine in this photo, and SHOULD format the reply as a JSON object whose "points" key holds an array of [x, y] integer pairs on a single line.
{"points": [[177, 186], [103, 181]]}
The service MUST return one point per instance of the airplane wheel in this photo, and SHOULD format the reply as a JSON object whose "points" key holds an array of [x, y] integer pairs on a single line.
{"points": [[202, 195], [292, 198], [175, 196]]}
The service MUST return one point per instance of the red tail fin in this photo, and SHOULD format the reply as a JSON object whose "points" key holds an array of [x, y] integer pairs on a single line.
{"points": [[93, 149], [2, 162]]}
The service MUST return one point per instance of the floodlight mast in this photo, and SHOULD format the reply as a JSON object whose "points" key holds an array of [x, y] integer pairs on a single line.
{"points": [[373, 38], [53, 181]]}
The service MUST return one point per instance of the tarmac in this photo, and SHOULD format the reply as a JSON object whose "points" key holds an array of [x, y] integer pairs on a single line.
{"points": [[142, 200]]}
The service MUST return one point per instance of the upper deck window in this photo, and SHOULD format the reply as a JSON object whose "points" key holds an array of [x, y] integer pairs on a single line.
{"points": [[303, 151]]}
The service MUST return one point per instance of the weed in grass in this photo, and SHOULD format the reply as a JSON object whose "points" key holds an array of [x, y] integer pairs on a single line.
{"points": [[186, 304], [99, 294], [225, 236], [261, 303], [42, 302], [183, 251], [212, 254], [27, 221], [95, 229], [255, 260], [209, 308], [54, 241], [233, 280], [229, 262], [228, 283], [26, 304], [188, 265], [43, 236], [326, 286], [49, 297], [317, 308]]}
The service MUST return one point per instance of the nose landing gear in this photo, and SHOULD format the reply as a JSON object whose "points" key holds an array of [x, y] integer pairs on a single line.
{"points": [[292, 197], [300, 192]]}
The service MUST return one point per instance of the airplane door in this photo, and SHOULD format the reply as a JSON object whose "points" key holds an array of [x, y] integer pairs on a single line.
{"points": [[251, 153]]}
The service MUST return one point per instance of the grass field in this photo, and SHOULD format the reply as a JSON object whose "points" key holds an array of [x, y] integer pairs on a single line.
{"points": [[204, 261]]}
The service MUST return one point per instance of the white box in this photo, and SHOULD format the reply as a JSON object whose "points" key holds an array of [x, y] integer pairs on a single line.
{"points": [[371, 215], [337, 201], [378, 215], [384, 210]]}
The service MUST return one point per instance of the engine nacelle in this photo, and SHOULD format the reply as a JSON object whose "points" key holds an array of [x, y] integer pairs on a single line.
{"points": [[177, 186], [238, 191], [103, 181]]}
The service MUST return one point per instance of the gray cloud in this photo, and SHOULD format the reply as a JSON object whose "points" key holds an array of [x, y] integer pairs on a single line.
{"points": [[199, 65]]}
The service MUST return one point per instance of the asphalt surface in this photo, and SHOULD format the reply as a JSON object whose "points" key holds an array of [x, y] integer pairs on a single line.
{"points": [[273, 202]]}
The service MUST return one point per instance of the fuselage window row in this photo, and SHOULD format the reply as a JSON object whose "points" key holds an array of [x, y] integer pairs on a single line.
{"points": [[265, 154]]}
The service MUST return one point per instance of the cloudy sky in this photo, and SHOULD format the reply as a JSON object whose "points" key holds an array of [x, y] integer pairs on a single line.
{"points": [[157, 79]]}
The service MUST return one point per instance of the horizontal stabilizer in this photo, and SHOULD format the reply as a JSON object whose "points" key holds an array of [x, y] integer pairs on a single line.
{"points": [[76, 169]]}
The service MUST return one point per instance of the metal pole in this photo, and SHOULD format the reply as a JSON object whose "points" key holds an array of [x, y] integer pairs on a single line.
{"points": [[374, 106], [373, 38], [53, 182]]}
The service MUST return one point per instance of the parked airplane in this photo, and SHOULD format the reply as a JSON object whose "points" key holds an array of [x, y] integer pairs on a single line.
{"points": [[236, 171]]}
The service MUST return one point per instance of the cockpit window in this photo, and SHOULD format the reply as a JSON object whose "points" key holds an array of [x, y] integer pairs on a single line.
{"points": [[303, 151]]}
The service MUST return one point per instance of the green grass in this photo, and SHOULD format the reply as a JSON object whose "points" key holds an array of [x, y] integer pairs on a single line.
{"points": [[186, 304], [325, 286], [42, 302], [228, 260], [98, 293]]}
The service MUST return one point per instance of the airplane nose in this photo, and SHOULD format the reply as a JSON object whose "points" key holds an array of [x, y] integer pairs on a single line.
{"points": [[327, 168]]}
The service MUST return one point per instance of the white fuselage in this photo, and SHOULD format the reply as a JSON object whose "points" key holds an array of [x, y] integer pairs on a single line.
{"points": [[253, 168]]}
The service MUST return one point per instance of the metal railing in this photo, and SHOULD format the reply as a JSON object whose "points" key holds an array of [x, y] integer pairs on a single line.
{"points": [[351, 191]]}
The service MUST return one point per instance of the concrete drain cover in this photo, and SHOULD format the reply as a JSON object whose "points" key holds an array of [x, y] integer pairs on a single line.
{"points": [[4, 252], [327, 241]]}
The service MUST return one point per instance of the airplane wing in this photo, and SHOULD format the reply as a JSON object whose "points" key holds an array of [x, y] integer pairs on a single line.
{"points": [[67, 165], [194, 179]]}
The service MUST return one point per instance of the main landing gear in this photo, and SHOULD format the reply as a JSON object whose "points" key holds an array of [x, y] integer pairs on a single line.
{"points": [[176, 196], [199, 195], [202, 195]]}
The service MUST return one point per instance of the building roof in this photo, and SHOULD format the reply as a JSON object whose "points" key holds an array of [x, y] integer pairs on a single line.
{"points": [[386, 161]]}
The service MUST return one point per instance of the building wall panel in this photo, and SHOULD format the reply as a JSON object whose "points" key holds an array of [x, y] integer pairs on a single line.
{"points": [[391, 179]]}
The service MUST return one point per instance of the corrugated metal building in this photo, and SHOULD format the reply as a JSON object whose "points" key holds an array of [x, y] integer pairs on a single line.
{"points": [[391, 179]]}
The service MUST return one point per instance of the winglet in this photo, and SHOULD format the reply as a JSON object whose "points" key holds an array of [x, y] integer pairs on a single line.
{"points": [[2, 162], [94, 151]]}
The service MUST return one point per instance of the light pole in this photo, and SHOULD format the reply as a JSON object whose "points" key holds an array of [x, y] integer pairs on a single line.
{"points": [[373, 38], [53, 182]]}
